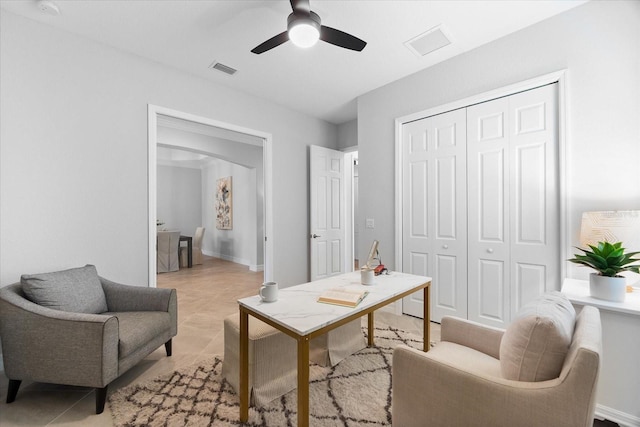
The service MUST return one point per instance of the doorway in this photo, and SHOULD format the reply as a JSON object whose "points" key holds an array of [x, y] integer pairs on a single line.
{"points": [[236, 138]]}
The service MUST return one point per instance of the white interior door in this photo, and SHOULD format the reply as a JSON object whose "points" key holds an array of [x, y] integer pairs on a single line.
{"points": [[513, 203], [535, 195], [434, 241], [488, 204], [327, 212]]}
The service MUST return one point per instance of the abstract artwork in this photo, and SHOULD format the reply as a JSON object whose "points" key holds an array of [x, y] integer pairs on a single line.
{"points": [[224, 205]]}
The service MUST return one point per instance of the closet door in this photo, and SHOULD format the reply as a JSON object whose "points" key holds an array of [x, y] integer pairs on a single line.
{"points": [[534, 202], [512, 147], [434, 213], [488, 212]]}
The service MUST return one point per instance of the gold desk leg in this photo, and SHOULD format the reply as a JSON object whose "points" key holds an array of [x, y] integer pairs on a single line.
{"points": [[244, 366], [426, 344], [303, 382], [371, 329]]}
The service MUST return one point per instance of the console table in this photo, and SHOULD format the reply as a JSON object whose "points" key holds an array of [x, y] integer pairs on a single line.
{"points": [[618, 396], [298, 314]]}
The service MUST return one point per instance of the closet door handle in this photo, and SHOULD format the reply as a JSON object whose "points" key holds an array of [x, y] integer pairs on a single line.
{"points": [[445, 246], [490, 250]]}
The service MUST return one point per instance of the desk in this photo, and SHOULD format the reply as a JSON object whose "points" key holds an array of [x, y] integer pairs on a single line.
{"points": [[618, 395], [298, 314], [189, 241]]}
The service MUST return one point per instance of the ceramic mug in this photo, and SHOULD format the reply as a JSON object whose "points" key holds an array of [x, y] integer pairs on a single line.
{"points": [[366, 276], [269, 292]]}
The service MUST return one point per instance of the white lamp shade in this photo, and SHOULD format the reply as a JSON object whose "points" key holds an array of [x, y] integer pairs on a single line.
{"points": [[612, 227]]}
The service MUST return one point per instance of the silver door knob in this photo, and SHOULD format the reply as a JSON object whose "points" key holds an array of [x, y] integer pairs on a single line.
{"points": [[490, 250], [315, 236], [445, 246]]}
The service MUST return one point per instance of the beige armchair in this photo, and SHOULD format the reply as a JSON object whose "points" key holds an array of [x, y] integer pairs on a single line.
{"points": [[461, 381]]}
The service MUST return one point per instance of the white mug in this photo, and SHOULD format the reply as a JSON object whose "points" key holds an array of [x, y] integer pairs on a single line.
{"points": [[366, 276], [269, 292]]}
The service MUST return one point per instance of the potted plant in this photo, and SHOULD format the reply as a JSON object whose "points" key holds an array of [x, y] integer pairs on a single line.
{"points": [[609, 260]]}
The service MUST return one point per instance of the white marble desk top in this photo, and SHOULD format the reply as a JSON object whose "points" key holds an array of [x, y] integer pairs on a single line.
{"points": [[298, 310]]}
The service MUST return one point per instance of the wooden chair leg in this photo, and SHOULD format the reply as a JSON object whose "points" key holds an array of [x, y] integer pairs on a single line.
{"points": [[14, 385], [101, 397], [167, 346]]}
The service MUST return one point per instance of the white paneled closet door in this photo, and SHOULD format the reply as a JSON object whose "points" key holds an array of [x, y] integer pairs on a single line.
{"points": [[434, 213], [513, 203]]}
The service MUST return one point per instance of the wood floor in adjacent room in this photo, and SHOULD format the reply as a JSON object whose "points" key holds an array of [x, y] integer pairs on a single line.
{"points": [[207, 293]]}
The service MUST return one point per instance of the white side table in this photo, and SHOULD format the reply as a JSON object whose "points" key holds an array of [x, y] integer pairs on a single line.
{"points": [[618, 396]]}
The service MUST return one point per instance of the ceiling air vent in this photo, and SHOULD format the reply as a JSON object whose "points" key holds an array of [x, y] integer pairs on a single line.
{"points": [[428, 41], [224, 68]]}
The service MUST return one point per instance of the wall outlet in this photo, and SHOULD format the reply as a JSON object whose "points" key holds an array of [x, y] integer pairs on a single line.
{"points": [[369, 223]]}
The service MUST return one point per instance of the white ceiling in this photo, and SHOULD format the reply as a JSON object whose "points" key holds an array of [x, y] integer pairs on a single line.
{"points": [[322, 81]]}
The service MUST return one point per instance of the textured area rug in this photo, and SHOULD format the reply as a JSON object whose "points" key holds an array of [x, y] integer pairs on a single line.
{"points": [[355, 392]]}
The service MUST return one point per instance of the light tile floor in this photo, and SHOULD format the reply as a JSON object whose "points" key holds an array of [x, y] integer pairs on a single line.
{"points": [[206, 295]]}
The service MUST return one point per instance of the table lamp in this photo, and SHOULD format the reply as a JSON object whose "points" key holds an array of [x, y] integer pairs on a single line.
{"points": [[612, 227]]}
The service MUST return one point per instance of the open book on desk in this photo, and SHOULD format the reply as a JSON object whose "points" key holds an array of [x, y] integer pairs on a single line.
{"points": [[344, 297]]}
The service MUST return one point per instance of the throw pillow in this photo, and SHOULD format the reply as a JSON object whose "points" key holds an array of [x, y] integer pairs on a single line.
{"points": [[76, 290], [535, 344]]}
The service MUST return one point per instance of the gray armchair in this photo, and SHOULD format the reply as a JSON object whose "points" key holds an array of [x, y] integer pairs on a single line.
{"points": [[76, 328]]}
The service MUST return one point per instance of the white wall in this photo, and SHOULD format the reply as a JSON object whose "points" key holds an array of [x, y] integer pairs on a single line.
{"points": [[73, 154], [348, 134], [239, 243], [179, 198], [599, 43]]}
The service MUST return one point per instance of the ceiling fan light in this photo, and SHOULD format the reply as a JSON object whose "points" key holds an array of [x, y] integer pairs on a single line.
{"points": [[304, 31]]}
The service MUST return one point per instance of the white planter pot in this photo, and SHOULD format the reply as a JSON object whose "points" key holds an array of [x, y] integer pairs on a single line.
{"points": [[607, 288]]}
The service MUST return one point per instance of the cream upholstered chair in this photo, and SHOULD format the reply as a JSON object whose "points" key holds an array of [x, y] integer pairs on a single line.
{"points": [[167, 251], [197, 245], [196, 249], [273, 369], [542, 371]]}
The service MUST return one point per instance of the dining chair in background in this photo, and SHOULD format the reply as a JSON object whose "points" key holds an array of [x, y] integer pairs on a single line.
{"points": [[196, 249], [168, 250]]}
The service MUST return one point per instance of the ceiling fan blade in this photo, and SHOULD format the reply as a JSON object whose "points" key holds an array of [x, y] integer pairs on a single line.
{"points": [[340, 38], [300, 6], [271, 43]]}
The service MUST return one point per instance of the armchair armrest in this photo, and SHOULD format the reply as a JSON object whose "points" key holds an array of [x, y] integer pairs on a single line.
{"points": [[137, 298], [471, 334], [437, 392], [46, 345]]}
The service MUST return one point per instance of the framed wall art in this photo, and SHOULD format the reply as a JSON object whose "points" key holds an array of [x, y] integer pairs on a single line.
{"points": [[224, 204]]}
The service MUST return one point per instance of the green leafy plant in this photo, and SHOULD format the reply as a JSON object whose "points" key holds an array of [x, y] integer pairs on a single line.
{"points": [[608, 259]]}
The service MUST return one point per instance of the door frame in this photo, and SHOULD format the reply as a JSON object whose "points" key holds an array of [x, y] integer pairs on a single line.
{"points": [[559, 77], [350, 155], [152, 136]]}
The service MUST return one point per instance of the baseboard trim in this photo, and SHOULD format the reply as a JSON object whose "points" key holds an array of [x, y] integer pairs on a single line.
{"points": [[622, 418], [256, 268], [230, 258]]}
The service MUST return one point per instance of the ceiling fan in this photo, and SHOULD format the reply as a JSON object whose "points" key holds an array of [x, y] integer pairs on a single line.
{"points": [[304, 28]]}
